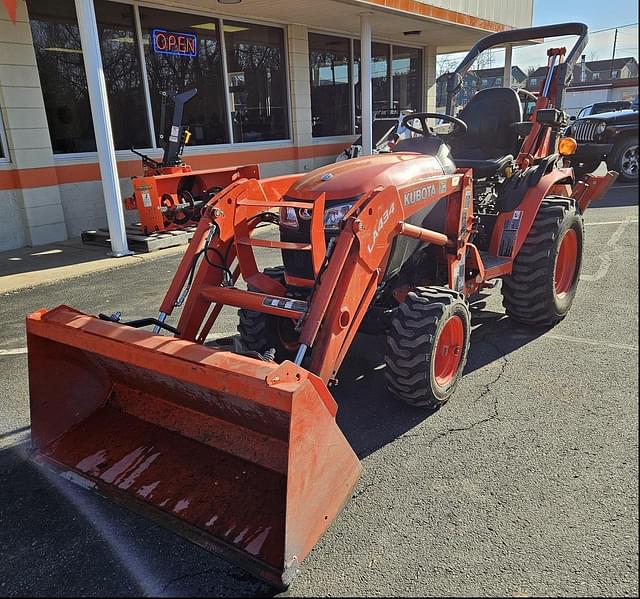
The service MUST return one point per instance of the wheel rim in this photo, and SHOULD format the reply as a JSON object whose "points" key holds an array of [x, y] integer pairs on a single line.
{"points": [[448, 351], [566, 262], [629, 164]]}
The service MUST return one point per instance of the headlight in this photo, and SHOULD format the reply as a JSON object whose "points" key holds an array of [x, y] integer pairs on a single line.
{"points": [[288, 217], [600, 128], [333, 216]]}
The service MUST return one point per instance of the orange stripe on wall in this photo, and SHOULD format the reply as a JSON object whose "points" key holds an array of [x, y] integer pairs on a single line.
{"points": [[442, 14], [78, 173]]}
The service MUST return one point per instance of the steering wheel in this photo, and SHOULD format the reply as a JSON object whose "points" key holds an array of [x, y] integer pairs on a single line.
{"points": [[460, 126]]}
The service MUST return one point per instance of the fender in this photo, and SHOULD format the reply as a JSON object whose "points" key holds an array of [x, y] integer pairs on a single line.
{"points": [[512, 227]]}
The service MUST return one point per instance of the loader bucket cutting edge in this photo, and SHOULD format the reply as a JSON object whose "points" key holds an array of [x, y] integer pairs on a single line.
{"points": [[240, 456]]}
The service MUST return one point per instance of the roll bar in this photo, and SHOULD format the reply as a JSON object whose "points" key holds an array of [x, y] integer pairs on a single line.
{"points": [[454, 80]]}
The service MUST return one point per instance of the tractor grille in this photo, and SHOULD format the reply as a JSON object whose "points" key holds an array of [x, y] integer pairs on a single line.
{"points": [[584, 130]]}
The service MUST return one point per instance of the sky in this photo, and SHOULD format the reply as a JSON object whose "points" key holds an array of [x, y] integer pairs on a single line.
{"points": [[602, 18], [593, 13]]}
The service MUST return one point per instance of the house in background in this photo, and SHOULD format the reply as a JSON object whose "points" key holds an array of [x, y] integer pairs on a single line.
{"points": [[476, 80], [595, 81]]}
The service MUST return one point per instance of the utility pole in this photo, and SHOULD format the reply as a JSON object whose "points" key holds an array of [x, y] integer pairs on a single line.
{"points": [[613, 56]]}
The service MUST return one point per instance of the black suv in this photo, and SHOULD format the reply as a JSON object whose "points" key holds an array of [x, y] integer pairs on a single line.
{"points": [[610, 136]]}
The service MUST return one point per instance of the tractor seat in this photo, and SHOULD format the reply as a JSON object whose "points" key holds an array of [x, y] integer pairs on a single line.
{"points": [[490, 141], [484, 168]]}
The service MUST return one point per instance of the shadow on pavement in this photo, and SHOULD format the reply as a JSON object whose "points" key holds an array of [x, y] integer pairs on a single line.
{"points": [[31, 259], [370, 418]]}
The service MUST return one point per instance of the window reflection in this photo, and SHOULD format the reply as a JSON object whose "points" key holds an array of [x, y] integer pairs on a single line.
{"points": [[380, 92], [121, 64], [330, 89], [407, 78], [257, 81], [329, 59], [56, 41], [206, 112]]}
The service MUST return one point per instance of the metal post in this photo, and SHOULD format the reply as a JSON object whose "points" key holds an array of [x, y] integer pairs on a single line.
{"points": [[102, 126], [613, 54], [506, 77], [365, 84]]}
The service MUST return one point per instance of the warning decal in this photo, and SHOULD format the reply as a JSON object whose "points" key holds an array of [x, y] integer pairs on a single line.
{"points": [[509, 234], [288, 304]]}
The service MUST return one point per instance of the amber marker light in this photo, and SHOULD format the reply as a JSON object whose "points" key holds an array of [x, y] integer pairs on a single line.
{"points": [[567, 146]]}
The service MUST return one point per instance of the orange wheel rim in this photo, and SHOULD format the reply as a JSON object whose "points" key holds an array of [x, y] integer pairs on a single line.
{"points": [[448, 351], [566, 263]]}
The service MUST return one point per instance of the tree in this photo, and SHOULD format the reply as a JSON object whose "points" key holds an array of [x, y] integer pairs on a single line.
{"points": [[445, 63]]}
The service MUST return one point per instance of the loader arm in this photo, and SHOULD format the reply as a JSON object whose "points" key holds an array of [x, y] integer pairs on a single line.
{"points": [[348, 271]]}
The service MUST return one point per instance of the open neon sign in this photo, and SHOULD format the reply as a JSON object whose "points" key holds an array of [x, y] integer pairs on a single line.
{"points": [[170, 42]]}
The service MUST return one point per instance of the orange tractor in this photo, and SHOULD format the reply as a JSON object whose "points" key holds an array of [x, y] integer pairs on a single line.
{"points": [[240, 450]]}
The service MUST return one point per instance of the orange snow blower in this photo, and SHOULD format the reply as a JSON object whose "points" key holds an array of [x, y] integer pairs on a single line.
{"points": [[170, 195], [240, 450]]}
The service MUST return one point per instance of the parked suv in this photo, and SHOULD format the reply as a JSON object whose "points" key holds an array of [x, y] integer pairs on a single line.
{"points": [[600, 107], [610, 136]]}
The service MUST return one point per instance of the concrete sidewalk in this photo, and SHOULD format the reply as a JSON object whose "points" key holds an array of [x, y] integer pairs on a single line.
{"points": [[32, 266]]}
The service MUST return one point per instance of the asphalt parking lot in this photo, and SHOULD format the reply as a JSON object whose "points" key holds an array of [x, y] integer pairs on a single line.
{"points": [[525, 484]]}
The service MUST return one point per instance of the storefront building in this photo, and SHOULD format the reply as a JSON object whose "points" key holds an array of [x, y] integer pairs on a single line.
{"points": [[278, 84]]}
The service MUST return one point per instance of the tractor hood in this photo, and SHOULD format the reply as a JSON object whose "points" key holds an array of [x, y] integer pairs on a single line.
{"points": [[351, 178]]}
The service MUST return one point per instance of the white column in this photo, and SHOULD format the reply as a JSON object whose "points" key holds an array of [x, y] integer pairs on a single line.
{"points": [[506, 77], [429, 71], [102, 126], [365, 84]]}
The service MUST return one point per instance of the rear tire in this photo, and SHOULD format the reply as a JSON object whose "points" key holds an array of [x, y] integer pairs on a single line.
{"points": [[543, 283], [427, 346], [261, 332]]}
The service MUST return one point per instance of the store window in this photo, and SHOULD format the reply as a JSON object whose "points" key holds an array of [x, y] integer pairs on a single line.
{"points": [[58, 51], [56, 41], [380, 66], [194, 62], [329, 60], [122, 73], [407, 78], [257, 81]]}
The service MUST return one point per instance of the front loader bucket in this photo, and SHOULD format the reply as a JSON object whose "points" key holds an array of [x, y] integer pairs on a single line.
{"points": [[243, 457]]}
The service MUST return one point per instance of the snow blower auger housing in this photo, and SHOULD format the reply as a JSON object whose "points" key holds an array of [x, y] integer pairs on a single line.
{"points": [[239, 450]]}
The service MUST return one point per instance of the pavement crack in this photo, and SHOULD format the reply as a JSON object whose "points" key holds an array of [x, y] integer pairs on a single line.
{"points": [[485, 391]]}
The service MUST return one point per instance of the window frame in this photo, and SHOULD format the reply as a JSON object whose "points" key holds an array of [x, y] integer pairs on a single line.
{"points": [[6, 159], [205, 148], [356, 40]]}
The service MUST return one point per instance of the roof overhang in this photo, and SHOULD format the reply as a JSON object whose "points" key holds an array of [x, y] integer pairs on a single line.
{"points": [[447, 30]]}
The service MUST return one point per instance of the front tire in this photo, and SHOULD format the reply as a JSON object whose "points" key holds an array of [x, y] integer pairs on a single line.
{"points": [[543, 283], [427, 346], [624, 160], [261, 332]]}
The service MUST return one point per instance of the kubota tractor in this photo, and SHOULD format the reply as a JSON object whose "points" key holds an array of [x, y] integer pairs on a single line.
{"points": [[239, 450]]}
